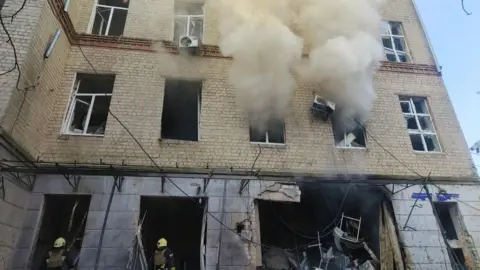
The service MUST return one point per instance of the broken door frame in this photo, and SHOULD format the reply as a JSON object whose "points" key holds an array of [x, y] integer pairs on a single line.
{"points": [[203, 240]]}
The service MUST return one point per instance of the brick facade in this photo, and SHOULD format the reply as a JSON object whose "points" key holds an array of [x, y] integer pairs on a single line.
{"points": [[224, 134], [224, 142]]}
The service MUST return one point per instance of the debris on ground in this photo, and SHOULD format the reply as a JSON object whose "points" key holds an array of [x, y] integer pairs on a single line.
{"points": [[348, 252]]}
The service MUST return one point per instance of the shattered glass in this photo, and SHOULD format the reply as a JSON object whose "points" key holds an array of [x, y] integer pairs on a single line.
{"points": [[432, 143], [420, 105], [417, 143], [406, 107], [196, 27], [80, 112], [426, 123], [399, 44], [411, 122], [396, 28]]}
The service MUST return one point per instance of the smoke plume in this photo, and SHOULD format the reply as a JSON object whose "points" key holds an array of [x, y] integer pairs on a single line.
{"points": [[266, 39]]}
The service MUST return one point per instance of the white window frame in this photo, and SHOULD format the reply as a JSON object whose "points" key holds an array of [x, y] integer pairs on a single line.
{"points": [[110, 16], [189, 17], [71, 110], [393, 49], [419, 131], [267, 142], [349, 146]]}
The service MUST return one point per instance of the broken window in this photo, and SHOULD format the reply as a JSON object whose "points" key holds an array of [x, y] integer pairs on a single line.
{"points": [[419, 124], [89, 106], [181, 110], [109, 17], [394, 42], [352, 136], [273, 134], [188, 20]]}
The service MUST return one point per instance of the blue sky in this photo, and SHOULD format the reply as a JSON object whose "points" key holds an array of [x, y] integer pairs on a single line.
{"points": [[456, 38]]}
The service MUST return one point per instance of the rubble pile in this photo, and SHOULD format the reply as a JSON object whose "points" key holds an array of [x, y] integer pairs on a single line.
{"points": [[348, 252]]}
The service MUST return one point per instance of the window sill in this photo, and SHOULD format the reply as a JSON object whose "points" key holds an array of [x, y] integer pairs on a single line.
{"points": [[67, 135], [428, 153], [269, 145], [175, 141], [350, 148]]}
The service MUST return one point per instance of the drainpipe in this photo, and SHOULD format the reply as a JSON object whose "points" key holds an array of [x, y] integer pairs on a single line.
{"points": [[222, 215], [426, 36]]}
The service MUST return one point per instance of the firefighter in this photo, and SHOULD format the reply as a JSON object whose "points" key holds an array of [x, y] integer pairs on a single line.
{"points": [[163, 257], [57, 257]]}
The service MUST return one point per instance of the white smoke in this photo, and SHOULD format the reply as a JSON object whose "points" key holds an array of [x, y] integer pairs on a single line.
{"points": [[266, 39]]}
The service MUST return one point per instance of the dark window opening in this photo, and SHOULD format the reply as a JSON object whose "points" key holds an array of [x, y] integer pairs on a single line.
{"points": [[445, 211], [63, 216], [110, 17], [181, 110], [281, 223], [90, 104], [348, 136], [273, 133], [180, 222]]}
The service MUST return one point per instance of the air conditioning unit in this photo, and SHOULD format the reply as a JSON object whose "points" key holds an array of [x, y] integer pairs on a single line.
{"points": [[188, 42], [322, 108]]}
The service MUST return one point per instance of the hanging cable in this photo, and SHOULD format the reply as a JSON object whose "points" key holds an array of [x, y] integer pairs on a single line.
{"points": [[164, 174], [16, 65]]}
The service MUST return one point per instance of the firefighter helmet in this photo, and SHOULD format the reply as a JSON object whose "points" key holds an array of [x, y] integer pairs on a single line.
{"points": [[162, 243], [60, 242]]}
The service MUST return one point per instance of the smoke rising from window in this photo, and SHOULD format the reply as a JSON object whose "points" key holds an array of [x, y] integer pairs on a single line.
{"points": [[266, 39]]}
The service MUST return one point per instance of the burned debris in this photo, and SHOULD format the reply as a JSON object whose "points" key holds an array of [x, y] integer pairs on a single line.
{"points": [[333, 227]]}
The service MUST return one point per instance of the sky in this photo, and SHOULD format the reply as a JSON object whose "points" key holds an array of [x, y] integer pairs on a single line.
{"points": [[455, 38]]}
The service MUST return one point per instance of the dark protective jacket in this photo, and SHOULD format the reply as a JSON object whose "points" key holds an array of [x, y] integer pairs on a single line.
{"points": [[163, 259], [57, 259]]}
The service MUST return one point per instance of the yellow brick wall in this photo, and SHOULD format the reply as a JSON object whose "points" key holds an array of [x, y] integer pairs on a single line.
{"points": [[28, 125], [404, 11], [154, 20], [224, 143], [137, 101]]}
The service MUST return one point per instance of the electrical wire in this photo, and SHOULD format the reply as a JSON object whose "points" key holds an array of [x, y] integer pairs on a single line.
{"points": [[16, 65], [164, 174], [464, 9], [18, 11], [338, 214]]}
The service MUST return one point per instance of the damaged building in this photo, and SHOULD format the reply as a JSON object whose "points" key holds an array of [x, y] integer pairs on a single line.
{"points": [[121, 122]]}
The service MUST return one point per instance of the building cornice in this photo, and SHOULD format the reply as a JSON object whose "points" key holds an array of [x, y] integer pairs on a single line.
{"points": [[139, 44]]}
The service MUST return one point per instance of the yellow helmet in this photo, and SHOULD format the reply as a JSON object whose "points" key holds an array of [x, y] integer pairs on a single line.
{"points": [[60, 242], [162, 243]]}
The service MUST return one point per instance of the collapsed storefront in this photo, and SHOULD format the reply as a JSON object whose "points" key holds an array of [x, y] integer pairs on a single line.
{"points": [[334, 226], [233, 223]]}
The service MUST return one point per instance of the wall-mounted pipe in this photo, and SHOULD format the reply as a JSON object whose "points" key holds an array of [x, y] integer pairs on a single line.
{"points": [[67, 4], [52, 43]]}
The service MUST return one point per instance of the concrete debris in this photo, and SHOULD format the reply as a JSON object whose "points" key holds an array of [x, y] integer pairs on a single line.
{"points": [[277, 259], [281, 192]]}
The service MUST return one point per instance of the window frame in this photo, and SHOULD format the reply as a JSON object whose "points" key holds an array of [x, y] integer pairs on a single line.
{"points": [[110, 16], [71, 109], [266, 142], [345, 146], [175, 16], [419, 131], [393, 50]]}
